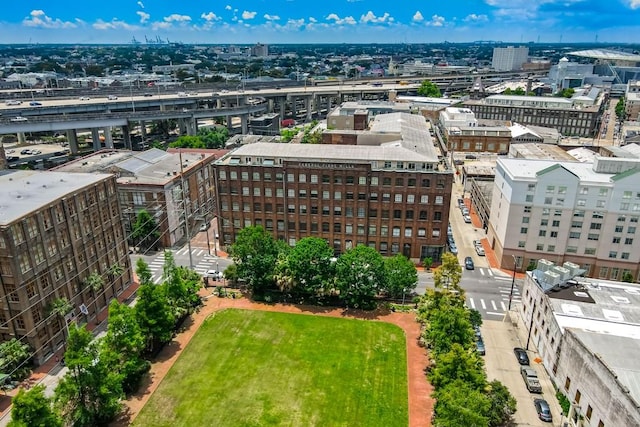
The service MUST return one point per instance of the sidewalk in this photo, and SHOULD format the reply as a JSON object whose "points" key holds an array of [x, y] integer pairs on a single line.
{"points": [[51, 371]]}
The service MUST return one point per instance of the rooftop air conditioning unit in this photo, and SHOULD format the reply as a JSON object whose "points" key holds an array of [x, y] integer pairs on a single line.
{"points": [[544, 265]]}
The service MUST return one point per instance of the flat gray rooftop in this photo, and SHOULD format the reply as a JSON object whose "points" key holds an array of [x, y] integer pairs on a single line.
{"points": [[23, 192]]}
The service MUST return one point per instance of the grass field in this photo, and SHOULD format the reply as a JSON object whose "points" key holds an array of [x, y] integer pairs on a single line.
{"points": [[253, 368]]}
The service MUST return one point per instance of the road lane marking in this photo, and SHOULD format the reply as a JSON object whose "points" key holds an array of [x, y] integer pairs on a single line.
{"points": [[494, 313], [493, 304], [502, 278], [481, 271], [158, 280], [490, 272], [484, 306], [503, 305], [472, 303]]}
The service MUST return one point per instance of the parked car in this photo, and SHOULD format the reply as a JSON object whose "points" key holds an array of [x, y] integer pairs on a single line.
{"points": [[25, 151], [84, 98], [35, 103], [480, 347], [453, 249], [12, 158], [460, 203], [148, 94], [468, 263], [480, 250], [530, 378], [466, 218], [543, 410], [477, 243], [521, 355], [464, 210], [205, 226], [213, 274], [12, 102]]}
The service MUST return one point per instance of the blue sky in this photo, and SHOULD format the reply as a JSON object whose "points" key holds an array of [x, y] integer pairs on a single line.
{"points": [[306, 21]]}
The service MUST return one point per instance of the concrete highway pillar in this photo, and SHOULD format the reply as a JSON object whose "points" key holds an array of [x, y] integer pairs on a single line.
{"points": [[182, 126], [229, 120], [108, 138], [270, 106], [307, 106], [192, 126], [126, 136], [143, 129], [293, 107], [244, 121], [95, 137], [283, 106], [72, 139], [218, 103], [21, 138]]}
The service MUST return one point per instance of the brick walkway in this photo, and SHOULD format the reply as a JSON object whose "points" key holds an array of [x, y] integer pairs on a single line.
{"points": [[420, 401]]}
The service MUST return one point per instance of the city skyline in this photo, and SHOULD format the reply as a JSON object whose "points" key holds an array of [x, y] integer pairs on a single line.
{"points": [[299, 21]]}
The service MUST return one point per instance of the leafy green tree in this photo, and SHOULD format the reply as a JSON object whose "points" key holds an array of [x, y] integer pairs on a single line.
{"points": [[627, 277], [620, 109], [144, 272], [214, 137], [188, 141], [458, 364], [427, 263], [182, 285], [255, 253], [231, 274], [475, 318], [154, 315], [401, 276], [566, 93], [359, 276], [90, 393], [145, 230], [449, 274], [95, 282], [429, 89], [460, 404], [123, 345], [447, 327], [310, 264], [503, 404], [14, 359], [31, 408], [59, 308]]}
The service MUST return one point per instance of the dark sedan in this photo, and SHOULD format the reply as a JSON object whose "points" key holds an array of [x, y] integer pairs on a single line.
{"points": [[521, 355]]}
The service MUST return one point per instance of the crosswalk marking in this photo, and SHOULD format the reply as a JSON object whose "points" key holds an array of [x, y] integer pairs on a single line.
{"points": [[482, 272], [495, 313], [472, 303], [484, 306], [502, 304], [493, 304], [490, 272]]}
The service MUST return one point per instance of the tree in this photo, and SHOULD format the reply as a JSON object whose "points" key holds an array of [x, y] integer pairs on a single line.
{"points": [[458, 364], [566, 93], [90, 393], [460, 404], [123, 345], [60, 307], [310, 264], [429, 89], [31, 408], [95, 282], [255, 253], [145, 230], [401, 275], [427, 263], [503, 404], [154, 315], [620, 109], [449, 274], [448, 326], [627, 277], [14, 358], [359, 276], [144, 272], [475, 318], [188, 141], [182, 286]]}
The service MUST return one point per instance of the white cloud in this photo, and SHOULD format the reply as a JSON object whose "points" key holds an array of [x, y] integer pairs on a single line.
{"points": [[210, 17], [634, 4], [294, 24], [346, 20], [161, 25], [175, 17], [228, 7], [248, 15], [371, 17], [141, 5], [144, 16], [271, 17], [114, 24], [37, 18], [476, 18], [312, 19], [436, 21], [417, 17]]}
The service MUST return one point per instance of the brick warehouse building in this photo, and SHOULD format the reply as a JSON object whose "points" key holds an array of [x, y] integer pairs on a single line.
{"points": [[391, 191], [55, 230]]}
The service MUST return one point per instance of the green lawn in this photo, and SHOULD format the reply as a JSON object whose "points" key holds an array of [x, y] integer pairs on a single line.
{"points": [[253, 368]]}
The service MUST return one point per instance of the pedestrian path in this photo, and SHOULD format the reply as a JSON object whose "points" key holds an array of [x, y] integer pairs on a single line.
{"points": [[207, 262], [497, 306]]}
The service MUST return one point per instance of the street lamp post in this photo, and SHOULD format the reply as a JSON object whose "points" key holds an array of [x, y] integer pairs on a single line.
{"points": [[533, 309], [513, 282]]}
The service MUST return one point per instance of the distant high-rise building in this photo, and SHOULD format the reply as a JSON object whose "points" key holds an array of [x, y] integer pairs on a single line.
{"points": [[509, 58], [260, 50]]}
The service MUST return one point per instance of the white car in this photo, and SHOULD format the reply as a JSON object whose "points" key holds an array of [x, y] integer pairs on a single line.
{"points": [[480, 250], [84, 98], [12, 102], [19, 119], [213, 274], [466, 219], [112, 97]]}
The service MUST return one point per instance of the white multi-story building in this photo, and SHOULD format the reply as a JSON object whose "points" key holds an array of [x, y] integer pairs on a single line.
{"points": [[457, 117], [587, 334], [585, 213], [632, 100], [509, 58]]}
